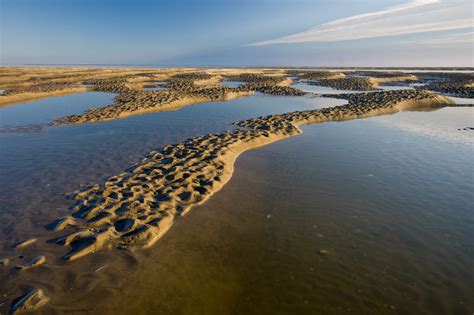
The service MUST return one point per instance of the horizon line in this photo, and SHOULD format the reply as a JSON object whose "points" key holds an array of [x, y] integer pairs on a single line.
{"points": [[235, 66]]}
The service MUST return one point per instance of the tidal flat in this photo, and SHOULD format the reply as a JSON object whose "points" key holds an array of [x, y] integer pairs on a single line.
{"points": [[359, 199]]}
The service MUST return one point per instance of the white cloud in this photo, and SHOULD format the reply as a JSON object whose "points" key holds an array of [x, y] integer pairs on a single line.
{"points": [[417, 16]]}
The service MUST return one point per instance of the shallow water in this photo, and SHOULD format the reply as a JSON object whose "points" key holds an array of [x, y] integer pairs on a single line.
{"points": [[416, 84], [59, 159], [391, 204], [231, 83], [461, 100], [321, 89], [393, 208], [446, 124], [155, 86], [43, 111], [37, 169]]}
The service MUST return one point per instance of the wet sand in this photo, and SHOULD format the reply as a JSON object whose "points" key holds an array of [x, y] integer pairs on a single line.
{"points": [[261, 253], [136, 208], [67, 157], [132, 210], [230, 256], [182, 87]]}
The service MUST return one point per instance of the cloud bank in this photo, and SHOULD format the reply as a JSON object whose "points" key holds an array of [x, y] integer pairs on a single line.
{"points": [[417, 16]]}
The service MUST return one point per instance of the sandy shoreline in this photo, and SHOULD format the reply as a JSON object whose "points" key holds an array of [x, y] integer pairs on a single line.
{"points": [[189, 86], [29, 97], [135, 208]]}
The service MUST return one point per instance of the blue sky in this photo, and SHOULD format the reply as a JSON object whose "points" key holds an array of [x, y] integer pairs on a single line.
{"points": [[240, 32]]}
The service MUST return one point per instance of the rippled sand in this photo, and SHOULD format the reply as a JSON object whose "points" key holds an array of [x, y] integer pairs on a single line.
{"points": [[133, 209]]}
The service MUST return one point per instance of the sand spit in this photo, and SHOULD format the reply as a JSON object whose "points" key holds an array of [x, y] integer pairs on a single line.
{"points": [[338, 80], [268, 84], [319, 75], [135, 208], [454, 84], [383, 77], [41, 87], [181, 90], [353, 80], [182, 87], [348, 83], [14, 98], [26, 84]]}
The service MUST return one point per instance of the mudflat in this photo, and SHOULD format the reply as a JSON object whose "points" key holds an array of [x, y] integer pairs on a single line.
{"points": [[133, 209]]}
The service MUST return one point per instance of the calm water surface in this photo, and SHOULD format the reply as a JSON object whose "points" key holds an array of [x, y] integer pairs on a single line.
{"points": [[391, 205], [231, 83], [155, 85], [389, 198], [43, 111], [56, 160]]}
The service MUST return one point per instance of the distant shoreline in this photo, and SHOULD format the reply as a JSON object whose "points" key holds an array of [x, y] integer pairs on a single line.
{"points": [[236, 67]]}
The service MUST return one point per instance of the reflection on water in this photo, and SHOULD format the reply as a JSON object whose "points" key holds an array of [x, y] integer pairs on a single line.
{"points": [[444, 124], [461, 100], [417, 84], [391, 210]]}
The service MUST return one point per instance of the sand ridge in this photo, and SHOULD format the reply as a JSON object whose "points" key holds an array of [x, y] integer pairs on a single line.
{"points": [[191, 86], [23, 84], [455, 84], [182, 87], [133, 209], [181, 90]]}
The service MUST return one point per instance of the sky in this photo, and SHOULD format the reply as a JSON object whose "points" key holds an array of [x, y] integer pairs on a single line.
{"points": [[238, 32]]}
